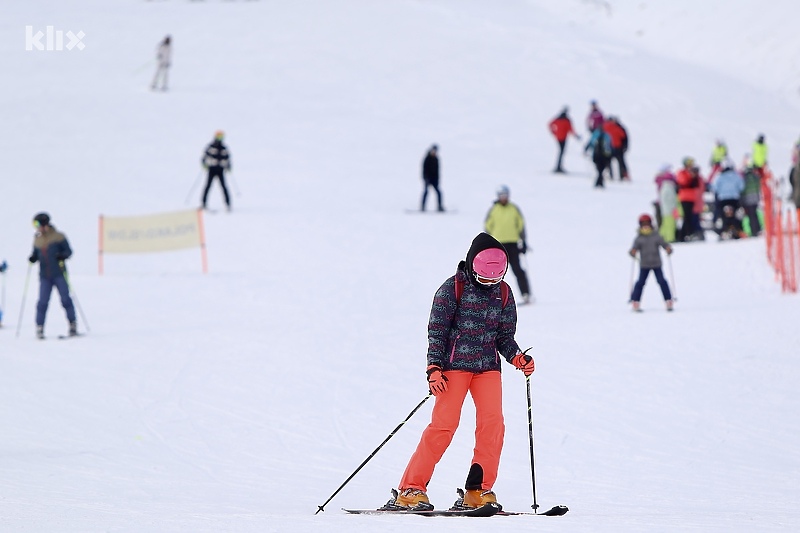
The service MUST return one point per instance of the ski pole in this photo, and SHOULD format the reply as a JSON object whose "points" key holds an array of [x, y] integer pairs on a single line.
{"points": [[194, 186], [142, 67], [557, 510], [630, 282], [530, 288], [24, 297], [73, 295], [346, 481], [672, 278], [3, 268], [235, 186], [535, 505]]}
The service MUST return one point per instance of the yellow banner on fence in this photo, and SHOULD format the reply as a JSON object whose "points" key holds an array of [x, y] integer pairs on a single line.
{"points": [[152, 233]]}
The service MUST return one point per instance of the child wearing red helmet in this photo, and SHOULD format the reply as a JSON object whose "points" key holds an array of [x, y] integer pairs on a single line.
{"points": [[648, 243]]}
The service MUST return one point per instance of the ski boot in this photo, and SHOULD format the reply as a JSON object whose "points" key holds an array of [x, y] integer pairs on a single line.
{"points": [[73, 329], [636, 307], [40, 332], [473, 499], [408, 499], [669, 305]]}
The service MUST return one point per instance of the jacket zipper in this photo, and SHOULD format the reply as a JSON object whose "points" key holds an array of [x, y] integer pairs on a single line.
{"points": [[453, 351]]}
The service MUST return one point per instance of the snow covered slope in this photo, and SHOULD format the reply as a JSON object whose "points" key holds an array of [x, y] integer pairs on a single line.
{"points": [[240, 400]]}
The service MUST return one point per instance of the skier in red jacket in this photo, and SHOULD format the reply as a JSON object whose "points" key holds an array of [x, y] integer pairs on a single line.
{"points": [[619, 145], [561, 127]]}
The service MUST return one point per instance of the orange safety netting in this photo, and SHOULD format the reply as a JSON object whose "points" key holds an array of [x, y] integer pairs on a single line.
{"points": [[781, 227]]}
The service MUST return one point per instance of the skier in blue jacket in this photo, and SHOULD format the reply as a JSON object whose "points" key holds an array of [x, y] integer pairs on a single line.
{"points": [[728, 188], [50, 250]]}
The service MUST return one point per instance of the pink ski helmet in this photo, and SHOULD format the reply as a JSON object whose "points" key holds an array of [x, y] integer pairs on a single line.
{"points": [[490, 266]]}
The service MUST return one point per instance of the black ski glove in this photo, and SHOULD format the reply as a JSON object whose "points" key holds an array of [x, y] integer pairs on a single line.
{"points": [[32, 259]]}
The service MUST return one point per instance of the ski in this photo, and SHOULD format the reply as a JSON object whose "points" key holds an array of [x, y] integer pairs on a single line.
{"points": [[431, 212], [490, 509], [65, 337], [558, 510]]}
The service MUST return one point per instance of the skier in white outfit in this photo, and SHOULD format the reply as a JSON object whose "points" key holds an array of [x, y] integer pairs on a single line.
{"points": [[163, 56]]}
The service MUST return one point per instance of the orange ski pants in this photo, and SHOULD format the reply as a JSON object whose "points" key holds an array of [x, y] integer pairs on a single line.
{"points": [[486, 392]]}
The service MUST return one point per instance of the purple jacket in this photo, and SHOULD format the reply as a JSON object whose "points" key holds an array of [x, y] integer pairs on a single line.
{"points": [[594, 120], [471, 335]]}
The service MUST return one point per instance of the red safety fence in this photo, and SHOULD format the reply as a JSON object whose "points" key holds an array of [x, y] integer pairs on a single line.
{"points": [[781, 225]]}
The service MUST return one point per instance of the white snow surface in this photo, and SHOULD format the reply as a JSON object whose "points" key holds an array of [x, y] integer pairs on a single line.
{"points": [[240, 400]]}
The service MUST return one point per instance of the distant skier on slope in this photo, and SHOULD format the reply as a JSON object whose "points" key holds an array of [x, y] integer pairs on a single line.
{"points": [[561, 127], [216, 160], [690, 195], [619, 145], [51, 249], [648, 244], [794, 174], [164, 59], [505, 222], [728, 188], [467, 334], [760, 153], [751, 197], [667, 203], [430, 177], [599, 146], [595, 117], [718, 155]]}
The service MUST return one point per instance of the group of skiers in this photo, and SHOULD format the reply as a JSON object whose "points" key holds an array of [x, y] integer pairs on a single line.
{"points": [[608, 142], [735, 191], [51, 248]]}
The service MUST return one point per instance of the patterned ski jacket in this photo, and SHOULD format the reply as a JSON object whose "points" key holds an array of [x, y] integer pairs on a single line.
{"points": [[216, 156], [48, 250], [471, 334]]}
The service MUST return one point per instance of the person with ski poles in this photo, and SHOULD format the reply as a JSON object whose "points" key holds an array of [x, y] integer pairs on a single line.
{"points": [[561, 128], [648, 244], [216, 160], [164, 60], [472, 324], [51, 249]]}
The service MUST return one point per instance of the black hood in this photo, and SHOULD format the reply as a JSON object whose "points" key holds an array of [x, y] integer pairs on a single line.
{"points": [[482, 242]]}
